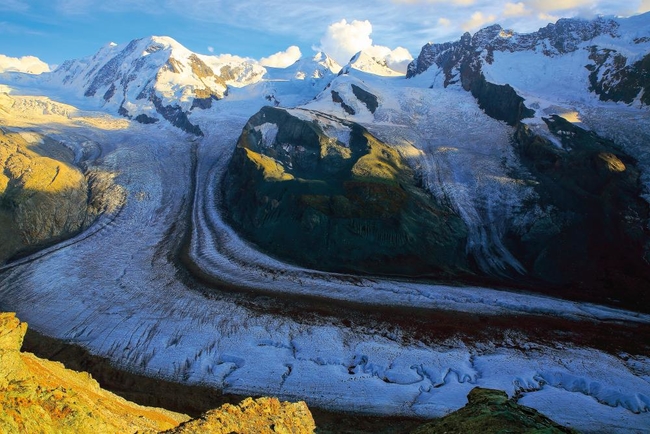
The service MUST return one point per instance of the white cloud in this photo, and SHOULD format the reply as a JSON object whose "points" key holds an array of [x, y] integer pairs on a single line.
{"points": [[515, 10], [231, 58], [342, 40], [211, 49], [559, 5], [547, 18], [28, 64], [644, 6], [477, 20], [282, 59], [397, 59], [444, 22]]}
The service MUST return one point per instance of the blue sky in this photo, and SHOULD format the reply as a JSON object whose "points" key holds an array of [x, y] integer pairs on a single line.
{"points": [[56, 30]]}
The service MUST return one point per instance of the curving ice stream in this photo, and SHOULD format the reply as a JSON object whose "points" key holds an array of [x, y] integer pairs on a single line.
{"points": [[119, 290]]}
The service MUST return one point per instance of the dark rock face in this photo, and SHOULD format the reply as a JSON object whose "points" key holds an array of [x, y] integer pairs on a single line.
{"points": [[500, 102], [490, 411], [336, 97], [353, 207], [144, 119], [613, 80], [592, 240], [366, 97], [203, 103], [176, 116]]}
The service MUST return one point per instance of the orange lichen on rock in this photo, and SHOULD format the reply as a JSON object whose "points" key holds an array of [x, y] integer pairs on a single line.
{"points": [[42, 396], [261, 416]]}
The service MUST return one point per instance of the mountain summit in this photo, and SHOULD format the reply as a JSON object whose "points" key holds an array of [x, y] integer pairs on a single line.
{"points": [[155, 77]]}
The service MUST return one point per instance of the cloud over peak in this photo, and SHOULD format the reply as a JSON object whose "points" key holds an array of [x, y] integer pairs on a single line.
{"points": [[342, 40]]}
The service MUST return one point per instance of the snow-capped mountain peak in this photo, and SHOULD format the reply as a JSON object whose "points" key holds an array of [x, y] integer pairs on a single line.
{"points": [[604, 56], [365, 61], [155, 77]]}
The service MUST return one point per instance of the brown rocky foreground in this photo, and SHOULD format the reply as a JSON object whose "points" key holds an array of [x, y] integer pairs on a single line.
{"points": [[40, 396]]}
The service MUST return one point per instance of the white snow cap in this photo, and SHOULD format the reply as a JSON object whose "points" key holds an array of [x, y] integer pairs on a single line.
{"points": [[28, 64], [343, 40]]}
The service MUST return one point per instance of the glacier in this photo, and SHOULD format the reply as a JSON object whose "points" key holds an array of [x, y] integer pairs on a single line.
{"points": [[248, 323]]}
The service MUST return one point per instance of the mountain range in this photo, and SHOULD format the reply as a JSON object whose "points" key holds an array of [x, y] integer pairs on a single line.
{"points": [[554, 202], [286, 230]]}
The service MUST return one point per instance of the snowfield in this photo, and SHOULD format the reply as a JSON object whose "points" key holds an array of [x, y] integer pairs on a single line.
{"points": [[118, 288]]}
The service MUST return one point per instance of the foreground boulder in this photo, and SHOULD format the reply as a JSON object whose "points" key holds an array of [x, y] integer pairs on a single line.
{"points": [[490, 411], [262, 416]]}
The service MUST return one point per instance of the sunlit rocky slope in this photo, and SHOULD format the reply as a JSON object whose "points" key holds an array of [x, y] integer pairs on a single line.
{"points": [[37, 395]]}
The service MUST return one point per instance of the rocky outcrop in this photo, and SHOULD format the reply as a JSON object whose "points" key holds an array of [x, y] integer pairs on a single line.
{"points": [[369, 99], [612, 79], [41, 396], [327, 194], [490, 411], [262, 416]]}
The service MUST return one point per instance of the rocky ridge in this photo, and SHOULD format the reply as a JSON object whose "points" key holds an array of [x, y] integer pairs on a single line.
{"points": [[555, 39], [42, 396], [613, 76], [155, 78]]}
